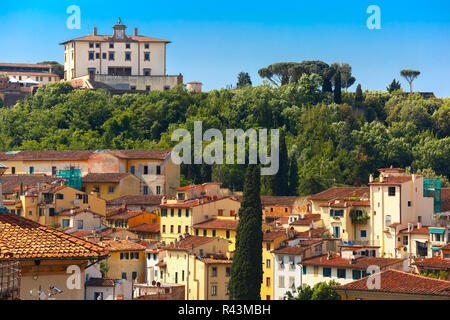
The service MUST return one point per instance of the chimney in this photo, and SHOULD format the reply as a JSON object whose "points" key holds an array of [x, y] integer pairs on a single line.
{"points": [[371, 178], [381, 177], [95, 31], [419, 225], [135, 31]]}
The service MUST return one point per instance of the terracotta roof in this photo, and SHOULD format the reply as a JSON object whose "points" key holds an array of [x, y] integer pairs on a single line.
{"points": [[307, 220], [135, 200], [446, 247], [340, 193], [124, 215], [360, 263], [279, 201], [216, 260], [347, 203], [30, 240], [145, 227], [121, 245], [141, 154], [190, 242], [217, 224], [74, 212], [104, 177], [194, 186], [422, 230], [108, 38], [48, 155], [297, 249], [99, 282], [315, 233], [394, 281], [194, 202], [11, 182], [274, 234], [435, 262], [394, 179], [25, 65]]}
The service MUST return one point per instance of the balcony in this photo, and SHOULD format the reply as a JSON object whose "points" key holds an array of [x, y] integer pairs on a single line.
{"points": [[359, 216]]}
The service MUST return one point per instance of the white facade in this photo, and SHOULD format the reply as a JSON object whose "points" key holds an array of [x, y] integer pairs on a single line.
{"points": [[152, 259]]}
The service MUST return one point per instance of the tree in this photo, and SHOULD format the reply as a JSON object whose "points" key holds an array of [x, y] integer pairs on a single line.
{"points": [[347, 80], [246, 269], [337, 88], [293, 177], [104, 268], [359, 97], [320, 291], [394, 86], [279, 73], [243, 80], [279, 181], [57, 68], [410, 76]]}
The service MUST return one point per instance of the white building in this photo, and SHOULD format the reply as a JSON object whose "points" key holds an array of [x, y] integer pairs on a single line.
{"points": [[397, 200], [121, 61]]}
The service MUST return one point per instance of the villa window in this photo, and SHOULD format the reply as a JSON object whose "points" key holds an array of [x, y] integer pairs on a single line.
{"points": [[391, 191], [127, 56], [228, 272], [214, 290], [341, 273], [327, 272], [214, 272], [147, 56]]}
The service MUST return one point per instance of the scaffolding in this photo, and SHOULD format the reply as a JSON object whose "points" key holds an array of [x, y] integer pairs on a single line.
{"points": [[432, 188], [72, 177], [9, 280]]}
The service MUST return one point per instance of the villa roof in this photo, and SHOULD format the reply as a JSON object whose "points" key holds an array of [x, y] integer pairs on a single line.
{"points": [[340, 193], [436, 262], [228, 224], [135, 200], [145, 227], [105, 177], [307, 220], [359, 263], [121, 245], [190, 242], [394, 281]]}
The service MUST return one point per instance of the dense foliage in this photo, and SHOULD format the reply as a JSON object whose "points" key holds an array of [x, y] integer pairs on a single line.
{"points": [[332, 143], [320, 291]]}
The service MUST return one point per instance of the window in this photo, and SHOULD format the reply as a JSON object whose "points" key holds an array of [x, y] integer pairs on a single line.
{"points": [[391, 191], [205, 233], [220, 213], [132, 169], [124, 275], [111, 45], [80, 224], [40, 215], [164, 229], [405, 240], [281, 282], [171, 229], [104, 55], [158, 189], [127, 56], [111, 189], [147, 88], [214, 290], [341, 273], [145, 190], [59, 196], [356, 274], [182, 275], [91, 45], [179, 229], [187, 213], [201, 253], [133, 88], [158, 170], [30, 213], [172, 212], [388, 221], [268, 282], [134, 275], [111, 56], [127, 46], [214, 272], [147, 72], [268, 246], [228, 272], [186, 229], [98, 295], [145, 169], [363, 233], [13, 170], [91, 55], [31, 170], [268, 263], [179, 213], [409, 203], [196, 232], [214, 233], [228, 234], [166, 88], [327, 272], [51, 212], [53, 171], [147, 56], [97, 55], [304, 269], [147, 46], [97, 45]]}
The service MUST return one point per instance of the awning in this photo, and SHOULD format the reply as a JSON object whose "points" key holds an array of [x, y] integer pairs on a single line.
{"points": [[437, 249], [421, 240], [439, 231]]}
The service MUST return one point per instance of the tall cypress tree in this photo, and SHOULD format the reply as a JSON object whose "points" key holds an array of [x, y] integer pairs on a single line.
{"points": [[337, 88], [359, 98], [279, 181], [246, 270], [293, 177]]}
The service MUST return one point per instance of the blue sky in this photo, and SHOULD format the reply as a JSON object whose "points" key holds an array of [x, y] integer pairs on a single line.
{"points": [[212, 41]]}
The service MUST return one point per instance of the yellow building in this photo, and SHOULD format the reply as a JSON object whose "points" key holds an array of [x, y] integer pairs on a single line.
{"points": [[124, 218], [220, 227], [112, 185], [201, 264], [271, 241], [178, 216], [42, 205], [126, 261]]}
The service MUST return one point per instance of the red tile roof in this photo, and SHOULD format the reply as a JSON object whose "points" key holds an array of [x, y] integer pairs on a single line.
{"points": [[25, 65], [48, 155], [105, 177], [394, 281], [217, 260], [422, 230], [135, 200], [349, 203], [341, 192], [27, 239], [11, 182], [108, 38], [141, 154], [274, 201], [435, 262], [190, 242], [227, 224], [194, 203], [271, 235], [99, 282], [315, 233], [121, 245], [297, 249], [308, 219], [145, 227], [359, 263], [394, 179]]}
